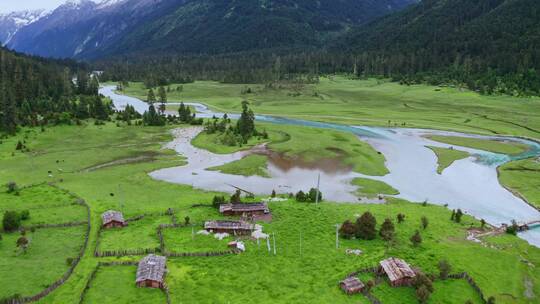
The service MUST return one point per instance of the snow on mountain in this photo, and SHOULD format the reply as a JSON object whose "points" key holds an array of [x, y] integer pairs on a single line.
{"points": [[11, 23]]}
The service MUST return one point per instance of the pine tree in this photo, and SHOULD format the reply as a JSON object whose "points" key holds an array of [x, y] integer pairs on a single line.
{"points": [[347, 230], [246, 122], [162, 94], [387, 230], [366, 227], [444, 269], [425, 222], [151, 97], [458, 216]]}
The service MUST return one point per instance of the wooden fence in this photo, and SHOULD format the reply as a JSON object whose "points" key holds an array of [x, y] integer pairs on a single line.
{"points": [[67, 274]]}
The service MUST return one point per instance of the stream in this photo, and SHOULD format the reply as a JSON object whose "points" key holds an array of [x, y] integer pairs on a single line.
{"points": [[470, 184]]}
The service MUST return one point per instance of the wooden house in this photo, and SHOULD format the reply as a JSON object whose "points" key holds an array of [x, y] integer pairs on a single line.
{"points": [[351, 285], [151, 272], [398, 271], [230, 227], [113, 219], [254, 211]]}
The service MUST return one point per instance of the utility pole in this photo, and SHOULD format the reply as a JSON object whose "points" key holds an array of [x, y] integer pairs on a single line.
{"points": [[318, 184], [337, 236], [274, 235]]}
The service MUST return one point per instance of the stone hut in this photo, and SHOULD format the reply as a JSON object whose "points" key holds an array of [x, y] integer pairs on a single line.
{"points": [[112, 219], [151, 272], [398, 271], [230, 227], [351, 285]]}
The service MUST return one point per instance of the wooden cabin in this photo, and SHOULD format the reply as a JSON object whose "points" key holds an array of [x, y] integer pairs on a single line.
{"points": [[398, 271], [254, 211], [351, 285], [230, 227], [151, 272], [112, 219]]}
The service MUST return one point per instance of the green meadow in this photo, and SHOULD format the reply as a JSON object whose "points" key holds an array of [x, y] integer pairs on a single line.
{"points": [[375, 102], [108, 167], [446, 157], [494, 146]]}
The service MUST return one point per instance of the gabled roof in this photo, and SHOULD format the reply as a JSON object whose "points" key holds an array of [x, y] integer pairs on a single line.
{"points": [[111, 215], [151, 267], [251, 207], [231, 225], [352, 283], [397, 269]]}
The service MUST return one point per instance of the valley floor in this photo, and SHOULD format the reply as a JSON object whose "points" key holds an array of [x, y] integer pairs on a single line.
{"points": [[108, 167]]}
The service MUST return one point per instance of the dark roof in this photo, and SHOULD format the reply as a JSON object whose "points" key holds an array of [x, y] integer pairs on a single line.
{"points": [[397, 269], [111, 215], [352, 284], [251, 207], [231, 225], [151, 267]]}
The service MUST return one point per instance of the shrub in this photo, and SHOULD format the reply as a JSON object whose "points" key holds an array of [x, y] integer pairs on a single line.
{"points": [[312, 196], [416, 239], [425, 222], [387, 230], [11, 221], [69, 261], [459, 214], [236, 197], [366, 226], [444, 269], [25, 214], [400, 218], [347, 230], [300, 196], [512, 229], [218, 200], [12, 187], [186, 220]]}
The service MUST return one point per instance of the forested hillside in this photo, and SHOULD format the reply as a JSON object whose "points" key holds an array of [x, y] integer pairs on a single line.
{"points": [[36, 91], [490, 45], [217, 27]]}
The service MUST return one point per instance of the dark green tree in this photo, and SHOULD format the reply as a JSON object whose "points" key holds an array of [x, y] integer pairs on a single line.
{"points": [[366, 226], [416, 239], [11, 221], [387, 230]]}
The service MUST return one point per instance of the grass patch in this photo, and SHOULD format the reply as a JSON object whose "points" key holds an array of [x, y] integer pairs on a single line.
{"points": [[446, 157], [182, 240], [247, 166], [523, 177], [116, 284], [138, 234], [372, 187], [43, 263], [453, 291], [495, 146]]}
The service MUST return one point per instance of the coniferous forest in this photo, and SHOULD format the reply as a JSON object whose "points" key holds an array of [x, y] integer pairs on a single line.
{"points": [[36, 91]]}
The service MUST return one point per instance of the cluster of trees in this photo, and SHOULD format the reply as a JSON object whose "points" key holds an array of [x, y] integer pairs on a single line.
{"points": [[365, 228], [157, 117], [235, 134], [12, 219], [35, 91], [310, 196]]}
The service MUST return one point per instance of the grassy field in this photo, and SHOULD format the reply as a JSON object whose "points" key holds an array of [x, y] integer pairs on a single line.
{"points": [[247, 166], [114, 284], [45, 260], [292, 276], [186, 239], [523, 177], [108, 166], [494, 146], [446, 157], [373, 102], [138, 234]]}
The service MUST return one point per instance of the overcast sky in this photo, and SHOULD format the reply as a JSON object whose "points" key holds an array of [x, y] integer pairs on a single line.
{"points": [[7, 6]]}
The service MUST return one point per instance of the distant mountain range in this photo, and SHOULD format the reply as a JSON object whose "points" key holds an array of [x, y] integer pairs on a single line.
{"points": [[11, 23], [85, 29]]}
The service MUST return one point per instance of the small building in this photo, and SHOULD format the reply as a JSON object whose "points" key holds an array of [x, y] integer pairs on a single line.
{"points": [[112, 219], [151, 272], [230, 227], [398, 271], [254, 211], [351, 285]]}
